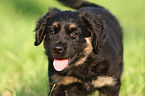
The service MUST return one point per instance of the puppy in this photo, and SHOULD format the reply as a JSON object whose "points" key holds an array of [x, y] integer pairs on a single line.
{"points": [[84, 49]]}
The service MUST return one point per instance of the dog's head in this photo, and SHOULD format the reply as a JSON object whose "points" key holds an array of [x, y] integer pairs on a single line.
{"points": [[68, 35]]}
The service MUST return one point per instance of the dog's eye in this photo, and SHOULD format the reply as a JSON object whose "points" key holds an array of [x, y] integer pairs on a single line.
{"points": [[52, 31], [73, 34]]}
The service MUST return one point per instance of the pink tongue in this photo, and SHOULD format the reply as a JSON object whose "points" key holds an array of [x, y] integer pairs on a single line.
{"points": [[59, 65]]}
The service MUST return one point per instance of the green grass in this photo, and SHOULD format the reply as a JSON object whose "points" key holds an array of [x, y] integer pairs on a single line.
{"points": [[23, 67]]}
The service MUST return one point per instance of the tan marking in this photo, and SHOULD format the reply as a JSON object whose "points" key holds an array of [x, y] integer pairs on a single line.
{"points": [[72, 26], [66, 80], [103, 81], [87, 51], [69, 80], [89, 48], [55, 24], [102, 94]]}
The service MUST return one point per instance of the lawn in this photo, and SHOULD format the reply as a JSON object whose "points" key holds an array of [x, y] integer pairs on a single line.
{"points": [[23, 67]]}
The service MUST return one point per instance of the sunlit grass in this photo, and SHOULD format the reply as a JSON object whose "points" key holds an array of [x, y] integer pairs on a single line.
{"points": [[23, 67]]}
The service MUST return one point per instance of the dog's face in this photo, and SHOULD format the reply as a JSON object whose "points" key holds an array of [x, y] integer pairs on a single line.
{"points": [[67, 37]]}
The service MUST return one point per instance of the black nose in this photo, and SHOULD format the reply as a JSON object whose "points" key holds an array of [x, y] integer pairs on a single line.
{"points": [[58, 48]]}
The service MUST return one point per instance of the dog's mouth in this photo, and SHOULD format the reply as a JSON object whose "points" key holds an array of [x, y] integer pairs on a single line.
{"points": [[62, 64]]}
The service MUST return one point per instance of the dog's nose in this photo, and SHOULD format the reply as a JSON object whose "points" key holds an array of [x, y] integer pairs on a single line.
{"points": [[58, 48]]}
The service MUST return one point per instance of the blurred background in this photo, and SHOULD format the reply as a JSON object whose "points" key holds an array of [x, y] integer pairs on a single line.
{"points": [[23, 67]]}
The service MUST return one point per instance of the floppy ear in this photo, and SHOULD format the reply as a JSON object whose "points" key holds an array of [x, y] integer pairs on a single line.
{"points": [[41, 25], [96, 26]]}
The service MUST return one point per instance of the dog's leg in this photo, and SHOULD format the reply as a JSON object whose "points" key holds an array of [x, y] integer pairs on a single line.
{"points": [[75, 89], [110, 90]]}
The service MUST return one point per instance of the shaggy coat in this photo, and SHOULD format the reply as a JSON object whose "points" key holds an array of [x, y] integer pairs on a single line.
{"points": [[84, 49]]}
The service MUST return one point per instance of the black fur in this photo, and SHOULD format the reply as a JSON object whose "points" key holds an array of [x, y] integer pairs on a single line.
{"points": [[64, 34]]}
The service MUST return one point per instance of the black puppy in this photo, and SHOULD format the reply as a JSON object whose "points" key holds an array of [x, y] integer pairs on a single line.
{"points": [[84, 49]]}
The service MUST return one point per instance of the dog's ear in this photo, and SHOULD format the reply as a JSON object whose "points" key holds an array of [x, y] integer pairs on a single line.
{"points": [[41, 25], [96, 26]]}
